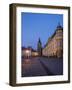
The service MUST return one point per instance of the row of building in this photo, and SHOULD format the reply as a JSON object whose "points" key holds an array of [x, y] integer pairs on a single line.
{"points": [[27, 52], [52, 48], [54, 45]]}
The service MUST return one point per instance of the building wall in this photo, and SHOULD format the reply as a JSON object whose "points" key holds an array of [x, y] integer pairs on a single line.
{"points": [[54, 45], [26, 53], [29, 53], [34, 53]]}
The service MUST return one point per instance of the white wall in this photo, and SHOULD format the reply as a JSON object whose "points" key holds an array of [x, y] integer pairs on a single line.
{"points": [[4, 45]]}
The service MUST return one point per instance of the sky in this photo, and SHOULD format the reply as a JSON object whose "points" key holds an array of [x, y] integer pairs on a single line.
{"points": [[38, 25]]}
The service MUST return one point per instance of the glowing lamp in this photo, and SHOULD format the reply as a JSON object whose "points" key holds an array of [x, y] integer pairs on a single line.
{"points": [[27, 51]]}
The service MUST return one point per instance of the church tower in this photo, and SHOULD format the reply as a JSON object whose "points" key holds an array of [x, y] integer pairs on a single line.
{"points": [[39, 47]]}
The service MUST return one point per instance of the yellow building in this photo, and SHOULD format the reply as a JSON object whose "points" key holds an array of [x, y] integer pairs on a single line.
{"points": [[34, 53], [54, 45]]}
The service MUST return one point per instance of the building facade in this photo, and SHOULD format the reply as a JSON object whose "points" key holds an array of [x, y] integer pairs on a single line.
{"points": [[34, 53], [28, 52], [54, 45]]}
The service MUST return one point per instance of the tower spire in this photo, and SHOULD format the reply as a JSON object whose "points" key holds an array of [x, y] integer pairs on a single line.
{"points": [[39, 47]]}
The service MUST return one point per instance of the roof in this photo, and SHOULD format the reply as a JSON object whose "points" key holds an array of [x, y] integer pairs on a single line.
{"points": [[59, 27], [29, 48], [24, 48]]}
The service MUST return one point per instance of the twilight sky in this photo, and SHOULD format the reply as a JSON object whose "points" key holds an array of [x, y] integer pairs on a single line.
{"points": [[36, 25]]}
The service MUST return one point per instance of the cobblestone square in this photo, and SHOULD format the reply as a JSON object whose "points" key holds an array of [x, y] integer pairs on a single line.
{"points": [[42, 66]]}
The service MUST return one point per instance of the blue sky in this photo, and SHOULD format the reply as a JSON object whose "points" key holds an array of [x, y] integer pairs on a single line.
{"points": [[36, 25]]}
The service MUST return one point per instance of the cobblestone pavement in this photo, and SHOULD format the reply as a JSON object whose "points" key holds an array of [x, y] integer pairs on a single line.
{"points": [[42, 66]]}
